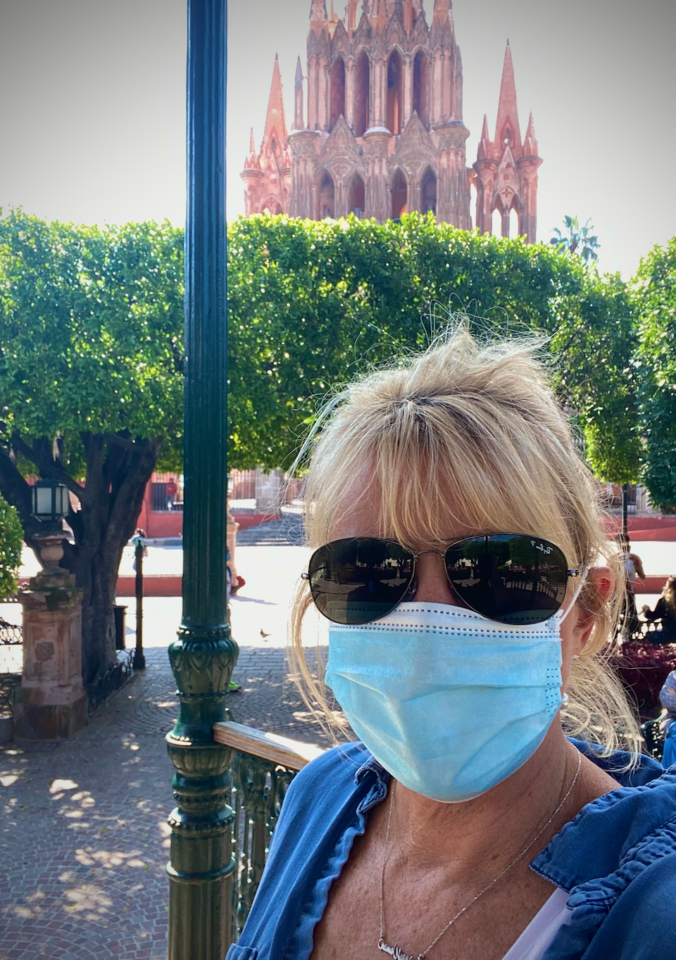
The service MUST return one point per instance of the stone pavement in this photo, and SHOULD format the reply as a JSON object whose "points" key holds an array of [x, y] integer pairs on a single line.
{"points": [[83, 838]]}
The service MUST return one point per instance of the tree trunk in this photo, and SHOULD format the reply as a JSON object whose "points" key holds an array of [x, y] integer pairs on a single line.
{"points": [[118, 470]]}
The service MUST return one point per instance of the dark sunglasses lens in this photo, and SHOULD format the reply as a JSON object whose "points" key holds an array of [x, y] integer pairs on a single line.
{"points": [[360, 580], [509, 578]]}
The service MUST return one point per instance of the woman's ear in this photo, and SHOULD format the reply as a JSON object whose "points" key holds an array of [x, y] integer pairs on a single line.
{"points": [[603, 579]]}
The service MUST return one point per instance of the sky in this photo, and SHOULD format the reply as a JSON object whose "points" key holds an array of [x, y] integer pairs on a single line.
{"points": [[92, 105]]}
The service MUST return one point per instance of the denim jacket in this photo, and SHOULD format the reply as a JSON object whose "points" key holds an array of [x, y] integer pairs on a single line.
{"points": [[616, 860]]}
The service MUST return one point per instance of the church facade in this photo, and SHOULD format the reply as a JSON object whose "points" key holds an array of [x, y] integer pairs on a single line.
{"points": [[382, 131]]}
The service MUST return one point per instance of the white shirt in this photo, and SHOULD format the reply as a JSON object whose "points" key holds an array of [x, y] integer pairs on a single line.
{"points": [[542, 929]]}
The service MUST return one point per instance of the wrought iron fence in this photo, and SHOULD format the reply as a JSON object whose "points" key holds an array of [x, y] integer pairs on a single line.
{"points": [[259, 790], [263, 767], [116, 677]]}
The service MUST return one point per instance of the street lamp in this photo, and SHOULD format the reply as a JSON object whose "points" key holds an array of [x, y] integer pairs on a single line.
{"points": [[50, 504]]}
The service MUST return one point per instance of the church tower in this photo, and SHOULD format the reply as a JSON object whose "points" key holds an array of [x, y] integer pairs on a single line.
{"points": [[267, 173], [507, 168], [381, 131]]}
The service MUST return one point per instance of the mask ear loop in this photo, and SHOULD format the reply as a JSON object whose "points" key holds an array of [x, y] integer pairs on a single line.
{"points": [[576, 594]]}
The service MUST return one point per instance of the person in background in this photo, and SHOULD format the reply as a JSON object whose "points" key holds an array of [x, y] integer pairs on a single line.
{"points": [[633, 567], [171, 491], [667, 725], [664, 614]]}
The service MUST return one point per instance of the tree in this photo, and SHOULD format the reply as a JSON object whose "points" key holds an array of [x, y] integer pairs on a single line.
{"points": [[577, 240], [90, 386], [11, 540], [655, 296], [314, 303]]}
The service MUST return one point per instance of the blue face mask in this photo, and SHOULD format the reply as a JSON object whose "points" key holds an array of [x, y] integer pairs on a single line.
{"points": [[448, 702]]}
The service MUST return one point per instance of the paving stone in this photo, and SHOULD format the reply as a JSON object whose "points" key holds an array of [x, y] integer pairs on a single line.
{"points": [[83, 834]]}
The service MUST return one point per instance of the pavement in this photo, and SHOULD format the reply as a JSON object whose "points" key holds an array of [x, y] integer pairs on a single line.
{"points": [[83, 838]]}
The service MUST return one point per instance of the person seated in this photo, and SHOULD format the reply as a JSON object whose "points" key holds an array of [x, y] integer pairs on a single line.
{"points": [[664, 614], [478, 814]]}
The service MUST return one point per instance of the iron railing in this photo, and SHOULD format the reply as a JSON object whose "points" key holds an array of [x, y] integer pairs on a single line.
{"points": [[116, 677], [263, 766]]}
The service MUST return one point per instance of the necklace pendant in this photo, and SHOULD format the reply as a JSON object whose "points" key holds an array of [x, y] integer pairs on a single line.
{"points": [[394, 951]]}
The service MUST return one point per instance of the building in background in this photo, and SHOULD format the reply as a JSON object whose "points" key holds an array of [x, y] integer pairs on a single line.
{"points": [[382, 132]]}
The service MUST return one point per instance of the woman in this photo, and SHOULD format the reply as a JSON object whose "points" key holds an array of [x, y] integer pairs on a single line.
{"points": [[457, 556], [664, 614]]}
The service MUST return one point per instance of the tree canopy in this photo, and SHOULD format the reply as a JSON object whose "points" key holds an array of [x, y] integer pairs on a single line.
{"points": [[90, 385], [314, 303], [655, 297]]}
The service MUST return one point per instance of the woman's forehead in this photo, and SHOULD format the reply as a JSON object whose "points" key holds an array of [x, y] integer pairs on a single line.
{"points": [[364, 511]]}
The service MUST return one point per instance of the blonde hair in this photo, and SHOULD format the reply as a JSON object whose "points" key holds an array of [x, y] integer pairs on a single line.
{"points": [[468, 436]]}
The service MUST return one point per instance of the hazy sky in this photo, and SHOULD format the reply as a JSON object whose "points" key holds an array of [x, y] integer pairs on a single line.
{"points": [[92, 105]]}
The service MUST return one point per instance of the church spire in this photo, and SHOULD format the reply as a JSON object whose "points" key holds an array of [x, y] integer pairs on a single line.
{"points": [[352, 16], [442, 9], [485, 142], [507, 127], [275, 122], [318, 16], [298, 118], [530, 144]]}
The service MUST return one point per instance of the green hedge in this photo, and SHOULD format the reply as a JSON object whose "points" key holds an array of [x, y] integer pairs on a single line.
{"points": [[11, 540], [314, 303]]}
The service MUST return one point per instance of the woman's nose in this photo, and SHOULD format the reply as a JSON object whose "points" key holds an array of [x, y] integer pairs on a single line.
{"points": [[432, 582]]}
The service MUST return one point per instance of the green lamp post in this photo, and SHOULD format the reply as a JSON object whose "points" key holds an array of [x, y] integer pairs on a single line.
{"points": [[201, 867]]}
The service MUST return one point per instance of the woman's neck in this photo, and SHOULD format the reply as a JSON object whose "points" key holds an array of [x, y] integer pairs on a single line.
{"points": [[495, 827]]}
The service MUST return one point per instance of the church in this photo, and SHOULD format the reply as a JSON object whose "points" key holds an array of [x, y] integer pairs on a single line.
{"points": [[381, 132]]}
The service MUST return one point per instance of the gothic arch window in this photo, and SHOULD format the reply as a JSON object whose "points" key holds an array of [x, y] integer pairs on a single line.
{"points": [[357, 196], [272, 206], [394, 93], [337, 91], [399, 195], [362, 95], [421, 86], [507, 137], [496, 222], [327, 196], [428, 190]]}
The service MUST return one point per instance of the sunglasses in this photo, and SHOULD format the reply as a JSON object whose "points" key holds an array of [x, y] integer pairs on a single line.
{"points": [[507, 577]]}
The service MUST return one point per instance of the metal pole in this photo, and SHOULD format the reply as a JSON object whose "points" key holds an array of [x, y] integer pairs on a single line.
{"points": [[201, 868], [625, 510], [139, 655]]}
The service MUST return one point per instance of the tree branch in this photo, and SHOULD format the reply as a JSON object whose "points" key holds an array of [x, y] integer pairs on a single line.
{"points": [[46, 465], [119, 441]]}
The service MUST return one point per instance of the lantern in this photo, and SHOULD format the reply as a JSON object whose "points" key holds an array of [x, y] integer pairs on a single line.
{"points": [[51, 502]]}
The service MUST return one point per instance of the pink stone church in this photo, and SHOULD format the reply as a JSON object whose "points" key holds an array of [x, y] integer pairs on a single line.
{"points": [[383, 131]]}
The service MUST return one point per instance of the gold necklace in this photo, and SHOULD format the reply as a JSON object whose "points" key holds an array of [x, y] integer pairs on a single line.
{"points": [[397, 951]]}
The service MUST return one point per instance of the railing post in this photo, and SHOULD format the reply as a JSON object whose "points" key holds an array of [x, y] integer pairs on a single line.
{"points": [[139, 655], [201, 868]]}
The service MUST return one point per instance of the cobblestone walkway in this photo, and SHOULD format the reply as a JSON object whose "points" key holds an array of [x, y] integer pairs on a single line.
{"points": [[84, 840]]}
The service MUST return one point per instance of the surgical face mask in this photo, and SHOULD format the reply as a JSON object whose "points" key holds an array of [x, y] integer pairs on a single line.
{"points": [[448, 702]]}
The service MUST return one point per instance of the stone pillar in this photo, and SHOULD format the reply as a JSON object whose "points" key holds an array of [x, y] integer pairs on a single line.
{"points": [[52, 704], [378, 197], [408, 89], [323, 94], [312, 104], [349, 92]]}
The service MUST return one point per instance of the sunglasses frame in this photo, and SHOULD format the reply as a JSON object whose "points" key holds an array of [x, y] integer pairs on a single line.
{"points": [[570, 572]]}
